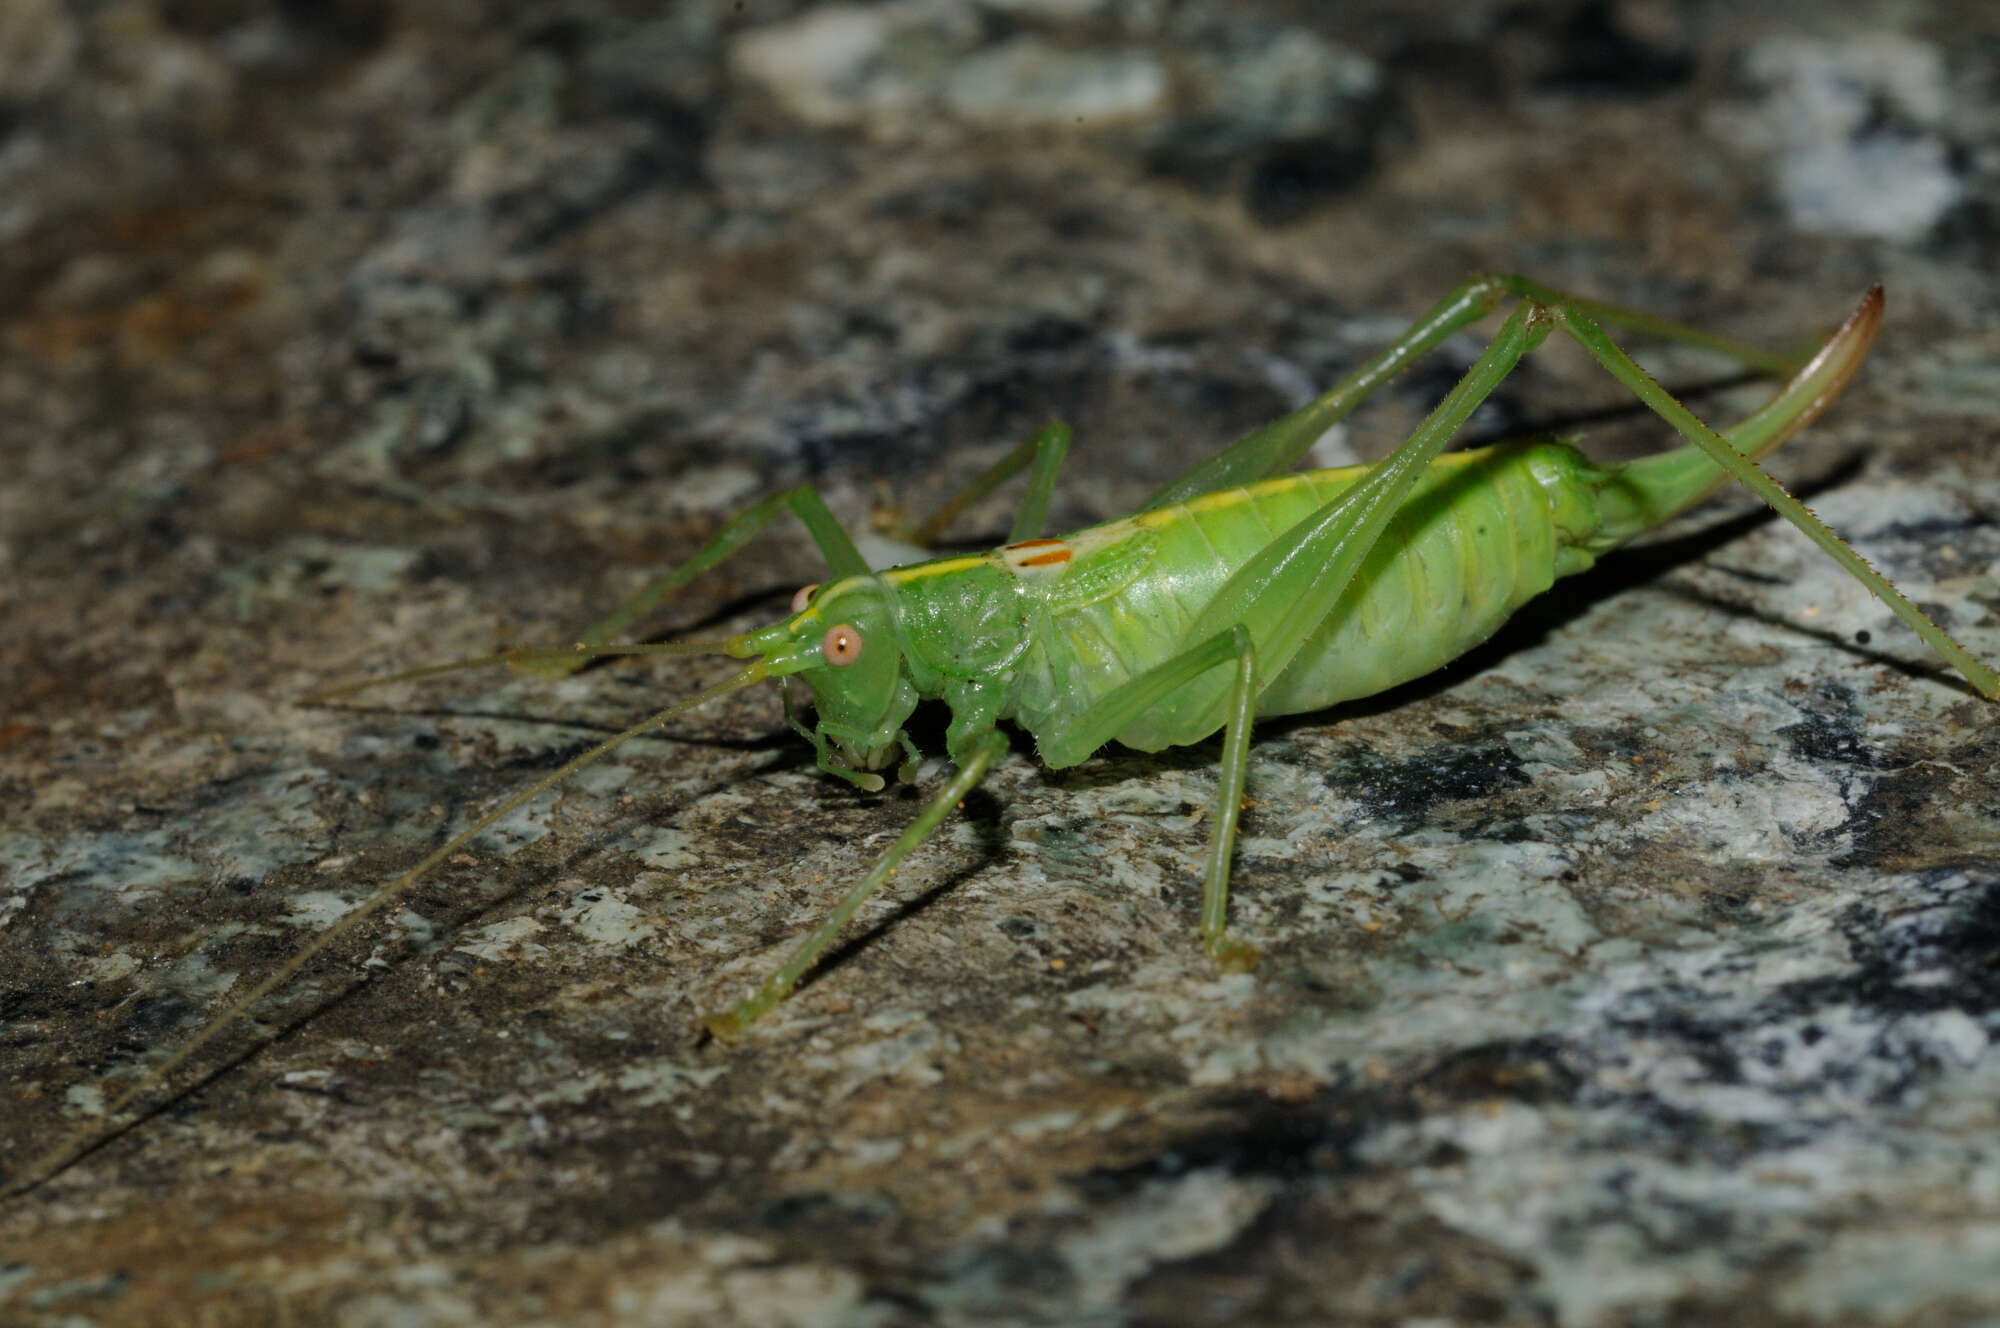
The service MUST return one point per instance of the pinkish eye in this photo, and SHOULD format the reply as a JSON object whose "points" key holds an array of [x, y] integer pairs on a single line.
{"points": [[842, 646], [802, 596]]}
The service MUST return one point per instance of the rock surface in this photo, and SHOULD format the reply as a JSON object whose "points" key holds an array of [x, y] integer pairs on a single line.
{"points": [[1644, 966]]}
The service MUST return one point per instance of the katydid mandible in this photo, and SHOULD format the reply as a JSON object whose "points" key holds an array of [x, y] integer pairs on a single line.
{"points": [[1237, 591]]}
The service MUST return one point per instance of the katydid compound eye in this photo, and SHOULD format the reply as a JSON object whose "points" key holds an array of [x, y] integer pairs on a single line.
{"points": [[802, 596], [842, 646]]}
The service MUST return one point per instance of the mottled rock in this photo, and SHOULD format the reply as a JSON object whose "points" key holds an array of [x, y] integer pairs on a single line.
{"points": [[1638, 967]]}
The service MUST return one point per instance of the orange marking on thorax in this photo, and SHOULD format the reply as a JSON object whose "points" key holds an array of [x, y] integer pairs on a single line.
{"points": [[1037, 555]]}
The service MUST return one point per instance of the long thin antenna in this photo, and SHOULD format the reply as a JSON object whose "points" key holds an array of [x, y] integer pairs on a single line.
{"points": [[527, 657], [85, 1140]]}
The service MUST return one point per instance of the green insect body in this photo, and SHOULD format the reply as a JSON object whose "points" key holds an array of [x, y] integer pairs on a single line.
{"points": [[1238, 590], [1036, 632]]}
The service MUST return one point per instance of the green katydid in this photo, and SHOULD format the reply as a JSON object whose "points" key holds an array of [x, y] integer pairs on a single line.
{"points": [[1237, 591]]}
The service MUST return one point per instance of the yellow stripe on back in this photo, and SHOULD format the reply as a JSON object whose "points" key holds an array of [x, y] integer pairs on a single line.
{"points": [[1048, 558]]}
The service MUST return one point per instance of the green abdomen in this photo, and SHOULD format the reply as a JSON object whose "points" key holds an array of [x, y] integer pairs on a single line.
{"points": [[1484, 532]]}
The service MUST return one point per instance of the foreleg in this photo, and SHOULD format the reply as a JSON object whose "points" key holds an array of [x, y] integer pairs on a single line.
{"points": [[804, 502], [729, 1024]]}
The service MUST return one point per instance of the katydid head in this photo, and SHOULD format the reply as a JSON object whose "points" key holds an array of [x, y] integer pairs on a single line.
{"points": [[842, 642]]}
